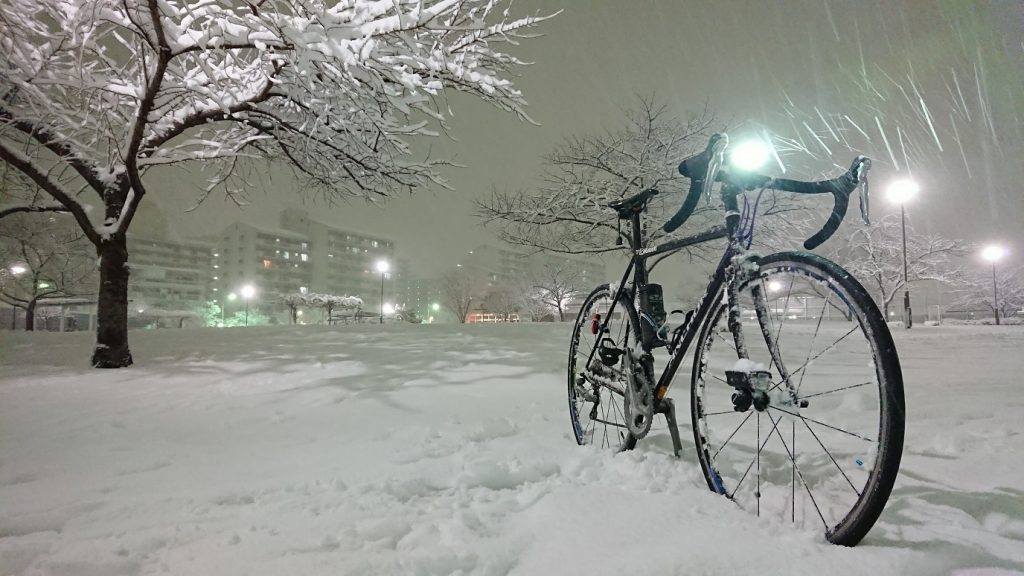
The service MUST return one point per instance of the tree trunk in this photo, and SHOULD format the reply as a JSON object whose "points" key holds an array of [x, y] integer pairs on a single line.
{"points": [[30, 315], [112, 305], [561, 314]]}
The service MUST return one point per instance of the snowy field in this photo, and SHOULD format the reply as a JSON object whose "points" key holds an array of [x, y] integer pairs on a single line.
{"points": [[447, 450]]}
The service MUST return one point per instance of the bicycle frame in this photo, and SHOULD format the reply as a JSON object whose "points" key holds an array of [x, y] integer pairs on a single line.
{"points": [[638, 267]]}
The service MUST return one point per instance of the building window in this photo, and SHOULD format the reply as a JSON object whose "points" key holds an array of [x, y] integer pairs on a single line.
{"points": [[303, 289], [305, 245], [266, 264], [304, 257], [286, 255]]}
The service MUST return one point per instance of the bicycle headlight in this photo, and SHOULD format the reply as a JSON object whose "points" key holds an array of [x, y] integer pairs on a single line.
{"points": [[749, 155]]}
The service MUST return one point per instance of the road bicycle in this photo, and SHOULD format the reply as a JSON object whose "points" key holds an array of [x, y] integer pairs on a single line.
{"points": [[796, 392]]}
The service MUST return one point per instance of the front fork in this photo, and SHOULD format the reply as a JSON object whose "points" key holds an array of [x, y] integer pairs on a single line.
{"points": [[737, 274]]}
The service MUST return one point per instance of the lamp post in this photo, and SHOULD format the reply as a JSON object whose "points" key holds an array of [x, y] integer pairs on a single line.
{"points": [[248, 291], [224, 308], [900, 192], [382, 267], [993, 254], [17, 270]]}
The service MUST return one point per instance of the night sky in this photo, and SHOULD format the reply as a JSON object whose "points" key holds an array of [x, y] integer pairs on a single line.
{"points": [[771, 65]]}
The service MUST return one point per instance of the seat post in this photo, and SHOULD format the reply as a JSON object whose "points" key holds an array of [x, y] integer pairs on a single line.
{"points": [[636, 238]]}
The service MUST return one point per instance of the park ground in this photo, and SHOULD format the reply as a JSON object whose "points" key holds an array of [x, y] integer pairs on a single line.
{"points": [[414, 449]]}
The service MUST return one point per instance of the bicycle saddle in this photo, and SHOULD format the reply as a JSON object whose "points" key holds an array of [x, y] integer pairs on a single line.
{"points": [[629, 206]]}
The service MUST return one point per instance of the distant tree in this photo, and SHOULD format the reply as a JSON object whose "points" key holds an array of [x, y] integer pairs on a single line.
{"points": [[210, 313], [328, 303], [96, 93], [45, 258], [293, 302], [504, 301], [973, 290], [255, 318], [874, 254], [556, 283], [459, 288]]}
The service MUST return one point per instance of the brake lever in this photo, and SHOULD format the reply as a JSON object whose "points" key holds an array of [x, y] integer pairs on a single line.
{"points": [[714, 165], [862, 183]]}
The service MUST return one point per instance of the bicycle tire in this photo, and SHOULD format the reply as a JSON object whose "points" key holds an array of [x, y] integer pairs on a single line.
{"points": [[871, 499]]}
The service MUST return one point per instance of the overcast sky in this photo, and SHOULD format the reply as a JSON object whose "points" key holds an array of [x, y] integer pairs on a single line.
{"points": [[755, 63]]}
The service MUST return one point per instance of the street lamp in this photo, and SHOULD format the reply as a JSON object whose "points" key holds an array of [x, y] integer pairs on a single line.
{"points": [[994, 254], [900, 192], [382, 267], [248, 291]]}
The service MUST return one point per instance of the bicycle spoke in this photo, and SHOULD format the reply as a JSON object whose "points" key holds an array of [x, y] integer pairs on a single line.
{"points": [[731, 435], [848, 481], [836, 390], [751, 465], [820, 354], [799, 473], [810, 348], [837, 429], [782, 315]]}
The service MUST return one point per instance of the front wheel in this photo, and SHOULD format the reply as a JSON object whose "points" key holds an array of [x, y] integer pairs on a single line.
{"points": [[815, 435]]}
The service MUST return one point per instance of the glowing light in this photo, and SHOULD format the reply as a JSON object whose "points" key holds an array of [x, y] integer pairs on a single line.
{"points": [[388, 308], [298, 312], [44, 285], [435, 306], [248, 291], [750, 155], [993, 253], [232, 296], [774, 286], [18, 269], [383, 266], [902, 191]]}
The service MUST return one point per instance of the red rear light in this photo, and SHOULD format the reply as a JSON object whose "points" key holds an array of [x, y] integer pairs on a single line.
{"points": [[595, 324]]}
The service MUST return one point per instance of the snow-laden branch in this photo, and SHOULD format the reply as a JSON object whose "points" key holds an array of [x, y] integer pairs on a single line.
{"points": [[115, 87]]}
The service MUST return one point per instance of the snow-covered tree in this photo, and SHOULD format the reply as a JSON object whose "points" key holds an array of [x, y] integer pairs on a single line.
{"points": [[503, 300], [974, 290], [210, 313], [329, 303], [45, 258], [874, 254], [97, 93], [459, 288], [293, 302], [555, 283], [18, 195], [568, 211]]}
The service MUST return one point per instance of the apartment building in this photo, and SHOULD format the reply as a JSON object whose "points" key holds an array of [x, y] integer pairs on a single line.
{"points": [[302, 255], [170, 275]]}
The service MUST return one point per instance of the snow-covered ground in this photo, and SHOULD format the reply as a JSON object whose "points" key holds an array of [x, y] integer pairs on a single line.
{"points": [[447, 450]]}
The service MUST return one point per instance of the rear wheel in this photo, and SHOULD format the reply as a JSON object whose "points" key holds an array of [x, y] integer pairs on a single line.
{"points": [[827, 454], [596, 396]]}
